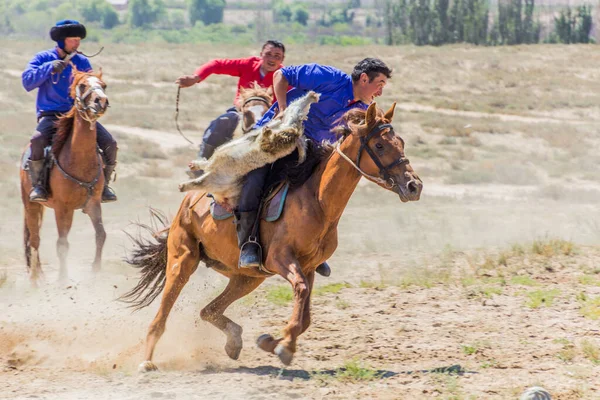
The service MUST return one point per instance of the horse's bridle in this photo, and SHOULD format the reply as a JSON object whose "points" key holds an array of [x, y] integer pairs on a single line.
{"points": [[387, 180], [256, 98], [248, 100], [80, 100]]}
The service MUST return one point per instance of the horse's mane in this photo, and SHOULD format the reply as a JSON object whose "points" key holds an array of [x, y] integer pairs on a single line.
{"points": [[64, 125], [350, 121], [255, 91]]}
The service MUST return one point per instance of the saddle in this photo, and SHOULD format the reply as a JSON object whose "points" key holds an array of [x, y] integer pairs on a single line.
{"points": [[285, 174], [272, 204]]}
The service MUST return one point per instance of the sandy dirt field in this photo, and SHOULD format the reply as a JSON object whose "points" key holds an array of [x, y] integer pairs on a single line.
{"points": [[488, 285]]}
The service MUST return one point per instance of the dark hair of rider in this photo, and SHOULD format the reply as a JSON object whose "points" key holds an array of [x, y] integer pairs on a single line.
{"points": [[274, 43], [372, 67]]}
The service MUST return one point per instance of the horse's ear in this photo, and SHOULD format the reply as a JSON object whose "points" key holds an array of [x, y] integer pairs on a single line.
{"points": [[248, 120], [389, 114], [100, 73], [270, 91], [371, 114]]}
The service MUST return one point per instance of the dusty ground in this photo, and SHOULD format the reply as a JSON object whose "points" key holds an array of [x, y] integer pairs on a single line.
{"points": [[494, 270]]}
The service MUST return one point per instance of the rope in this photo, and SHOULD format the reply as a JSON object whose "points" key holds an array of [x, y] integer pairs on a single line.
{"points": [[177, 116], [93, 55]]}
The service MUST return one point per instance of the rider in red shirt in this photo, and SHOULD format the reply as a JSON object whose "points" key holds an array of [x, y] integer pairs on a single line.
{"points": [[249, 70]]}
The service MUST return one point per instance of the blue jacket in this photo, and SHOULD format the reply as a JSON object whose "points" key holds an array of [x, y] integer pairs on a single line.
{"points": [[336, 98], [53, 90]]}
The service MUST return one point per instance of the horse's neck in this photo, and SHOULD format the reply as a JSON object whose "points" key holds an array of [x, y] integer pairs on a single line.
{"points": [[336, 182], [81, 146]]}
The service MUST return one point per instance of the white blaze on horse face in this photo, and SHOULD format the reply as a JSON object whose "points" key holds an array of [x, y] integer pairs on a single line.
{"points": [[258, 111], [96, 87]]}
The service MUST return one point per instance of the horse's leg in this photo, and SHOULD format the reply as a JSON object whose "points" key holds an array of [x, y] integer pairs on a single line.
{"points": [[34, 213], [182, 260], [64, 220], [310, 277], [289, 268], [238, 287], [94, 210]]}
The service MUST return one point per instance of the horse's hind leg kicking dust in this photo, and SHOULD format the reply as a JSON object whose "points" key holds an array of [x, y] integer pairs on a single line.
{"points": [[183, 258]]}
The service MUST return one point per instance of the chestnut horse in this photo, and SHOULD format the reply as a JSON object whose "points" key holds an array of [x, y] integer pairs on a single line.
{"points": [[76, 180], [304, 237]]}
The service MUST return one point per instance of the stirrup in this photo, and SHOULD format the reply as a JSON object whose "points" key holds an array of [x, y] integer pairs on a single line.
{"points": [[108, 195], [38, 195], [255, 260]]}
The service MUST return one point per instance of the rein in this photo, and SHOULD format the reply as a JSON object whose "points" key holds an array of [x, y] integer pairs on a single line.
{"points": [[177, 116], [89, 186], [387, 180]]}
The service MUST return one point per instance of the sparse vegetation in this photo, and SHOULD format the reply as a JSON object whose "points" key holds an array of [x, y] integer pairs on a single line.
{"points": [[280, 295], [590, 306], [539, 298], [591, 350], [331, 288], [355, 371]]}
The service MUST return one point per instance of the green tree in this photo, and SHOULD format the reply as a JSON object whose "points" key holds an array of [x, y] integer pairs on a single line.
{"points": [[207, 11], [145, 12], [91, 10], [301, 15], [110, 18]]}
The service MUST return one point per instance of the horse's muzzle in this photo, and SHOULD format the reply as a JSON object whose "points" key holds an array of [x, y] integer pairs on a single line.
{"points": [[410, 191]]}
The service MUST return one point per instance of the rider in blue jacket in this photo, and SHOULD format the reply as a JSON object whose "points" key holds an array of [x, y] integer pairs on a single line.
{"points": [[50, 72], [340, 93]]}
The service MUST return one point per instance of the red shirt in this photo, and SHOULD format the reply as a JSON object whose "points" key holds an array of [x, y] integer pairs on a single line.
{"points": [[247, 69]]}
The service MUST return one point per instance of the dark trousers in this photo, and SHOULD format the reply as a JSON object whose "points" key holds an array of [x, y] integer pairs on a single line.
{"points": [[46, 129], [221, 129], [252, 191]]}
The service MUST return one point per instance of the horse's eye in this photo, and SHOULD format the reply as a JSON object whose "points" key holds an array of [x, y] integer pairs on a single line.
{"points": [[379, 146]]}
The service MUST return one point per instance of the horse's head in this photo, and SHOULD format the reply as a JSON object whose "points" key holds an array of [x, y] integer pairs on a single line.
{"points": [[380, 152], [253, 103], [88, 91]]}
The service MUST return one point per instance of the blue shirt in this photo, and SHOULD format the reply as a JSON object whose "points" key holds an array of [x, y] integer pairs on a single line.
{"points": [[336, 99], [53, 90]]}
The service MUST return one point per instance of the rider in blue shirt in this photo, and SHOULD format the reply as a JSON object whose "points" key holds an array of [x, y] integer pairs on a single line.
{"points": [[340, 93], [51, 74]]}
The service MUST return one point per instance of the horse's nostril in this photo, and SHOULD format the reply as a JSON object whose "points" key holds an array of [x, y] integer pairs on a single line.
{"points": [[412, 187]]}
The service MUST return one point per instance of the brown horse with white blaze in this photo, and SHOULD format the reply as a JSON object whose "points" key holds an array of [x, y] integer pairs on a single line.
{"points": [[304, 237], [76, 179]]}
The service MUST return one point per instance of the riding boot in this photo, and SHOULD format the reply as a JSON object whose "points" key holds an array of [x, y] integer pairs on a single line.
{"points": [[108, 195], [323, 269], [38, 191], [206, 151], [250, 250]]}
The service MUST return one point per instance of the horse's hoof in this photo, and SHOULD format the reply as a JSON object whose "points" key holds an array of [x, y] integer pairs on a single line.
{"points": [[147, 366], [182, 188], [266, 342], [233, 348], [284, 354]]}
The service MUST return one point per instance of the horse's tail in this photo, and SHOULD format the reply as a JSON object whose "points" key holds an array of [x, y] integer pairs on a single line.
{"points": [[150, 256], [26, 243]]}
